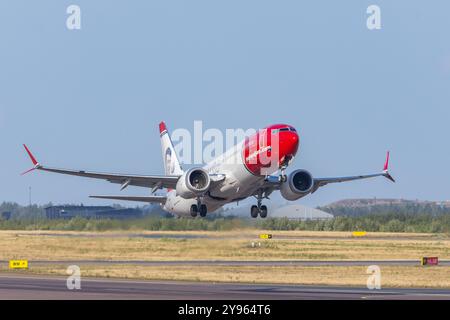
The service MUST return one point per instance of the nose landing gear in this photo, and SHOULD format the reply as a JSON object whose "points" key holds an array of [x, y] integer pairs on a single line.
{"points": [[283, 176]]}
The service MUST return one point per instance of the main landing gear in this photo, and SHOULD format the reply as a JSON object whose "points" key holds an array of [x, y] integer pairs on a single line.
{"points": [[259, 209], [262, 211], [199, 208]]}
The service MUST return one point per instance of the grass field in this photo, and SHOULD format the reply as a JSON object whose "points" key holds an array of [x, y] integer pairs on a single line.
{"points": [[235, 245], [218, 246]]}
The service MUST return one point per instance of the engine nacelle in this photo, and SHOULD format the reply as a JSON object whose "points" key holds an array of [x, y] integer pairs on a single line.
{"points": [[193, 183], [299, 183]]}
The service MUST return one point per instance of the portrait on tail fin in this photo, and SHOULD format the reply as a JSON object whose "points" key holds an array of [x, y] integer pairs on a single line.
{"points": [[171, 163], [168, 162]]}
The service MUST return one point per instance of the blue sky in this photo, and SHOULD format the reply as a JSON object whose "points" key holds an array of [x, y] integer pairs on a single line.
{"points": [[92, 98]]}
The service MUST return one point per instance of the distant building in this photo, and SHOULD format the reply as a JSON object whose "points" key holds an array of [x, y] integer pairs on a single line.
{"points": [[91, 212], [299, 212], [6, 215]]}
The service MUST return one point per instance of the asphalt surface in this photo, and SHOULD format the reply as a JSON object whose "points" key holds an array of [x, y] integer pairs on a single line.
{"points": [[46, 287], [217, 237], [232, 263]]}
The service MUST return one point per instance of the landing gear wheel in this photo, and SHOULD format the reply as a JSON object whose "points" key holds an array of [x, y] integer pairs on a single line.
{"points": [[263, 212], [194, 210], [203, 210], [254, 211]]}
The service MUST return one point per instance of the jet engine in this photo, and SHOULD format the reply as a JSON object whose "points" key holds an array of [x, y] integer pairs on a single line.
{"points": [[298, 184], [193, 183]]}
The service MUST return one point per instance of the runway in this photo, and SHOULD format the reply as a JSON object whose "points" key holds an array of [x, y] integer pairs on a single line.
{"points": [[45, 287], [233, 262], [251, 237]]}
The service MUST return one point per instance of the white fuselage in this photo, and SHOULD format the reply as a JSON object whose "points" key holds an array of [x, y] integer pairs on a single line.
{"points": [[239, 183]]}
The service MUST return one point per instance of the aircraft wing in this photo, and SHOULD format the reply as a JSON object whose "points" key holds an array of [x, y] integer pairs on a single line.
{"points": [[320, 182], [157, 181], [272, 183], [157, 199]]}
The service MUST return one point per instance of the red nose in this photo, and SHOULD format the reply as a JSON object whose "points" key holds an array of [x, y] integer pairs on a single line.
{"points": [[289, 142]]}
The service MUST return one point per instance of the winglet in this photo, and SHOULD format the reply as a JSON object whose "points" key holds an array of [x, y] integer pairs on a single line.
{"points": [[33, 159], [386, 164], [386, 169]]}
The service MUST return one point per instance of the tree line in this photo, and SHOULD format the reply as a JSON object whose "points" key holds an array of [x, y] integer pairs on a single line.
{"points": [[390, 220]]}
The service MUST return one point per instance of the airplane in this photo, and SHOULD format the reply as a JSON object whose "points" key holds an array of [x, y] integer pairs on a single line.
{"points": [[200, 190]]}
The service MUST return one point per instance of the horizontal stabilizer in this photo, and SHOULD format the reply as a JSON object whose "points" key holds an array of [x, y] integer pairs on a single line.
{"points": [[149, 199]]}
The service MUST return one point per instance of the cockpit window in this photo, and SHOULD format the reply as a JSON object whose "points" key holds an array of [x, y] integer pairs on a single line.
{"points": [[274, 131]]}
